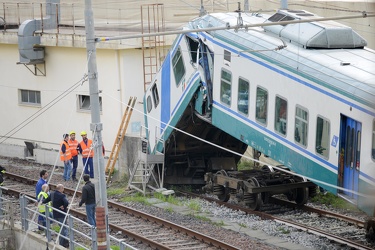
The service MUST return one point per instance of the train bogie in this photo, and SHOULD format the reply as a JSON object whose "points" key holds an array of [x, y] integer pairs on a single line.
{"points": [[253, 188]]}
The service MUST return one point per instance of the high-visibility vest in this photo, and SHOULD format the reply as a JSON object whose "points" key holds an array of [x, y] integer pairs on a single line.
{"points": [[67, 156], [86, 151], [73, 147], [42, 207]]}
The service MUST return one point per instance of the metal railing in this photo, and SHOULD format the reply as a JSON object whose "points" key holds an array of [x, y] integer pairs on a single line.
{"points": [[85, 237]]}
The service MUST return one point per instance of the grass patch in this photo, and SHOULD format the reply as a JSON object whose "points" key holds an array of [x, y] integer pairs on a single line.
{"points": [[166, 198], [333, 201], [115, 191], [245, 165], [201, 217], [219, 224], [55, 228], [169, 210], [138, 197], [242, 225], [194, 205], [283, 230]]}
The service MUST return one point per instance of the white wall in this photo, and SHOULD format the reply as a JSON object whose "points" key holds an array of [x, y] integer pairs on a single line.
{"points": [[119, 76]]}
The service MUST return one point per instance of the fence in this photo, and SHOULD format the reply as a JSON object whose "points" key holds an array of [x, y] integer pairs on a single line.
{"points": [[84, 237]]}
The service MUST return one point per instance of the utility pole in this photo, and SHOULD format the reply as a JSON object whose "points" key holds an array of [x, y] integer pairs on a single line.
{"points": [[96, 127]]}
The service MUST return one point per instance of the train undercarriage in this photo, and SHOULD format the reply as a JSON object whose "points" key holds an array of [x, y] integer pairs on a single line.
{"points": [[190, 161], [253, 188]]}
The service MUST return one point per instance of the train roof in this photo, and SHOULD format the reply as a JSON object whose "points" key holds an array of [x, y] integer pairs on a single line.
{"points": [[348, 68]]}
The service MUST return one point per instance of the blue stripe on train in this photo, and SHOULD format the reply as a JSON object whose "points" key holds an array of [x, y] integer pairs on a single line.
{"points": [[165, 92]]}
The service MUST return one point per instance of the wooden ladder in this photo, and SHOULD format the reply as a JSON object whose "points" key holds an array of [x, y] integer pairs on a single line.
{"points": [[119, 139]]}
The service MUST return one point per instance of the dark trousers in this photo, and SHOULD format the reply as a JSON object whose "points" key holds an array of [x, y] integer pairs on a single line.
{"points": [[74, 161], [62, 241], [88, 165]]}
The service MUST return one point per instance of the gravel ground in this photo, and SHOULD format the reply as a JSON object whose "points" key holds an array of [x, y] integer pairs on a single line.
{"points": [[240, 240]]}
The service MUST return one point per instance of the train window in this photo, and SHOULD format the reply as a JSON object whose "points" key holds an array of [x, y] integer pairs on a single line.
{"points": [[243, 96], [178, 66], [301, 125], [149, 104], [373, 140], [322, 137], [227, 57], [226, 87], [155, 95], [261, 105], [193, 49], [281, 111]]}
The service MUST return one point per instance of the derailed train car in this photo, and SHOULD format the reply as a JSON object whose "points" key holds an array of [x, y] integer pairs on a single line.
{"points": [[301, 93]]}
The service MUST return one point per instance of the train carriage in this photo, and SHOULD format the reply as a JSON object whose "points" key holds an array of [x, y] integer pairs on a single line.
{"points": [[302, 94]]}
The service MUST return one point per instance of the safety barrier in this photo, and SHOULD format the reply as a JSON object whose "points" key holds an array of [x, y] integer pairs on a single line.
{"points": [[84, 237]]}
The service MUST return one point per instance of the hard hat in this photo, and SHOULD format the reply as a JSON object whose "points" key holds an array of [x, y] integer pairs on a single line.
{"points": [[83, 133], [72, 132], [65, 135]]}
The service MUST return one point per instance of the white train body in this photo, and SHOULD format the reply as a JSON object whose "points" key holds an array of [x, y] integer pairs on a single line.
{"points": [[302, 94]]}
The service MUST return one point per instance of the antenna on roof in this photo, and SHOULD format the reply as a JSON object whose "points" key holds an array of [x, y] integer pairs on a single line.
{"points": [[239, 18], [284, 4], [202, 11]]}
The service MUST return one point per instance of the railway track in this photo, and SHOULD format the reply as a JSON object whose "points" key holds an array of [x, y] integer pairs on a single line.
{"points": [[344, 230], [139, 227]]}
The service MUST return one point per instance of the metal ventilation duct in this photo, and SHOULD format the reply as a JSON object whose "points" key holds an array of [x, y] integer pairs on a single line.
{"points": [[319, 35], [28, 43]]}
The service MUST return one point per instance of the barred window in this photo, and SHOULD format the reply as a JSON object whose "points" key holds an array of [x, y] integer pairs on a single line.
{"points": [[30, 97], [84, 102]]}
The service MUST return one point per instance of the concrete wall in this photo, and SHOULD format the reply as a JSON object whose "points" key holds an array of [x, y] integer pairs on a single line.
{"points": [[31, 240]]}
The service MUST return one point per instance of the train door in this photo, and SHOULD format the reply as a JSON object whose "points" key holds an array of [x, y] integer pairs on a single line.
{"points": [[349, 157]]}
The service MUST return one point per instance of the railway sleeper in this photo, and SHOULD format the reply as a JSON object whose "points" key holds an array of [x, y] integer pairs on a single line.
{"points": [[253, 191]]}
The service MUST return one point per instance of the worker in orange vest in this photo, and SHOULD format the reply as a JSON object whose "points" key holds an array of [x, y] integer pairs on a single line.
{"points": [[73, 145], [66, 156], [87, 151]]}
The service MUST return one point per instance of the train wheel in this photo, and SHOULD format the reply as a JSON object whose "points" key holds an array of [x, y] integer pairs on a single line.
{"points": [[292, 193], [302, 196], [220, 190], [313, 191], [253, 201], [370, 229]]}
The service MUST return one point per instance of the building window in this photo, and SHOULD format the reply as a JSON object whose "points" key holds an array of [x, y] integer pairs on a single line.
{"points": [[178, 66], [225, 88], [243, 96], [322, 137], [261, 105], [281, 111], [373, 140], [85, 104], [30, 97], [301, 125]]}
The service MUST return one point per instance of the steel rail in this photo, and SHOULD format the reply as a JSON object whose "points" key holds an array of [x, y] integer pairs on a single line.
{"points": [[292, 223], [201, 237]]}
